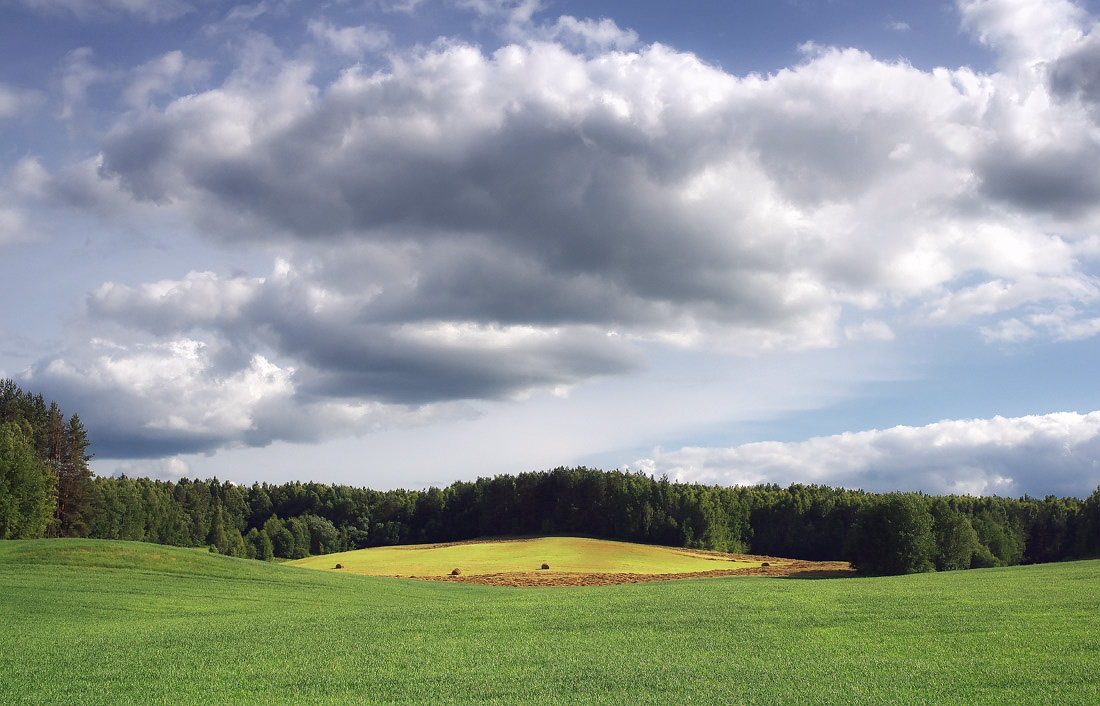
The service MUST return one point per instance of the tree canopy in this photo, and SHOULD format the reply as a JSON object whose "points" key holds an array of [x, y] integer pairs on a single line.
{"points": [[47, 489]]}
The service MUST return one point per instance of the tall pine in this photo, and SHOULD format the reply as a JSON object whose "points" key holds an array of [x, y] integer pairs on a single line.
{"points": [[68, 456]]}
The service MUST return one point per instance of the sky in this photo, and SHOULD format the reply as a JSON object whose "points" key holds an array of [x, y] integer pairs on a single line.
{"points": [[400, 243]]}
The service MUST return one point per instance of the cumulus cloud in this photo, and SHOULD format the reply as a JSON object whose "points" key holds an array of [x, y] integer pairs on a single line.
{"points": [[679, 195], [1024, 31], [175, 362], [183, 395], [492, 222], [1040, 455]]}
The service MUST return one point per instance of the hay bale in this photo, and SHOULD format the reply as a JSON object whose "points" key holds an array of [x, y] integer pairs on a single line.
{"points": [[546, 566], [339, 566], [765, 564], [455, 572]]}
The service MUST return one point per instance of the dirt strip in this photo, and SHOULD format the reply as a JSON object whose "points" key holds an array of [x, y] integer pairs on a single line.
{"points": [[778, 568]]}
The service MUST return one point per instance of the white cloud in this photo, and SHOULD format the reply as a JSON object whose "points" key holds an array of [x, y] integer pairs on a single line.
{"points": [[773, 193], [485, 219], [1042, 454], [1025, 31], [20, 189], [171, 468], [15, 101], [78, 74], [602, 34], [159, 76], [350, 41], [184, 395]]}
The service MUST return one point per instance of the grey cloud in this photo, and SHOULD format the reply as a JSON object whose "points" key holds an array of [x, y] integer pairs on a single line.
{"points": [[1077, 73], [645, 191], [463, 225], [576, 195], [340, 352], [1062, 180], [182, 395]]}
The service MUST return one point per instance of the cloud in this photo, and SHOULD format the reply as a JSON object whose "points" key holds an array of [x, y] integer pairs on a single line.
{"points": [[1024, 31], [1076, 73], [350, 41], [1039, 455], [172, 468], [469, 224], [176, 366], [591, 35], [682, 196], [78, 74], [183, 395], [159, 77], [342, 351], [20, 189], [16, 101]]}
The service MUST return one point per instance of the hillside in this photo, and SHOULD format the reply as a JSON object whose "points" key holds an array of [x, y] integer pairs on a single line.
{"points": [[111, 623]]}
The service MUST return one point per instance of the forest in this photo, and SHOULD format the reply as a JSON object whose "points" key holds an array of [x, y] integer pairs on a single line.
{"points": [[48, 490]]}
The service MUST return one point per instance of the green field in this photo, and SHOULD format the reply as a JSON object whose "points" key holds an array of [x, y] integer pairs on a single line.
{"points": [[95, 622], [562, 554]]}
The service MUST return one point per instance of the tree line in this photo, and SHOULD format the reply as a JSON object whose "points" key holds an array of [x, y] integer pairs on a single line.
{"points": [[47, 490]]}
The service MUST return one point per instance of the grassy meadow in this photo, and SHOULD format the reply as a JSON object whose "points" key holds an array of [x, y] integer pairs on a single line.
{"points": [[564, 554], [100, 622]]}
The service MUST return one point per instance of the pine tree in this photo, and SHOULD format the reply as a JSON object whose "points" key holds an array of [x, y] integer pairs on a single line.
{"points": [[68, 456]]}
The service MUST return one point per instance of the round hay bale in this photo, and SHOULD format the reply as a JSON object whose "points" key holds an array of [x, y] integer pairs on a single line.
{"points": [[765, 564], [455, 572], [339, 566], [546, 566]]}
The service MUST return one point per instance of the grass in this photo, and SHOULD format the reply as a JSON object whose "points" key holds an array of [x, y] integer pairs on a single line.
{"points": [[93, 622], [566, 554]]}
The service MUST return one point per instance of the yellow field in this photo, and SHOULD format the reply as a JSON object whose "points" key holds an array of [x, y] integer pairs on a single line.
{"points": [[563, 554]]}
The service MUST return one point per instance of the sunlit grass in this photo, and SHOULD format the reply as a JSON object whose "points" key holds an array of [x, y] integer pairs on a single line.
{"points": [[130, 628], [565, 554]]}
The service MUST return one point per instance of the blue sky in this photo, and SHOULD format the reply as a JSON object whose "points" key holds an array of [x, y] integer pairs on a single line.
{"points": [[398, 243]]}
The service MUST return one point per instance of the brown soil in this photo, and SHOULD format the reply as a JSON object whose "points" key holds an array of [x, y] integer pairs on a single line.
{"points": [[490, 540], [779, 568]]}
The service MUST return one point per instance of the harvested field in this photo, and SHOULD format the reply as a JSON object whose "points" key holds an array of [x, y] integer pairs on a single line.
{"points": [[576, 561], [525, 579]]}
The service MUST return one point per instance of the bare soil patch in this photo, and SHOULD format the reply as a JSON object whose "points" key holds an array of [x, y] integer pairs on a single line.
{"points": [[786, 568], [490, 540], [776, 567]]}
